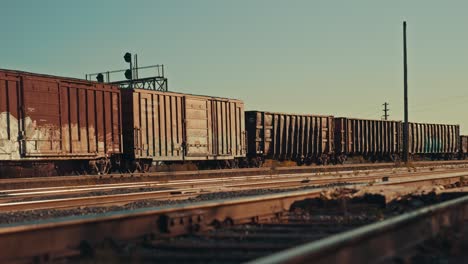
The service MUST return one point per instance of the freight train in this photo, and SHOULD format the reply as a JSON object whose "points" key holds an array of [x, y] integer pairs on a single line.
{"points": [[326, 139], [53, 125]]}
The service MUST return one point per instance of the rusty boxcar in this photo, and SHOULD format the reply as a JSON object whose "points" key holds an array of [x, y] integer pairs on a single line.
{"points": [[369, 139], [434, 140], [54, 125], [175, 127], [278, 136]]}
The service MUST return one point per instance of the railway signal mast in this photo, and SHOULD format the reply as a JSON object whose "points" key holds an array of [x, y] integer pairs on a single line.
{"points": [[156, 81], [128, 73], [405, 80]]}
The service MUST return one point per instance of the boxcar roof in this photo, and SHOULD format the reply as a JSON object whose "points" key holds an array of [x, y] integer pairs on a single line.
{"points": [[438, 124], [184, 94], [367, 119], [51, 76], [290, 114]]}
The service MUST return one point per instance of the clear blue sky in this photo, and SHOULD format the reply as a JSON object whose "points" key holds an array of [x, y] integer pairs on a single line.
{"points": [[325, 57]]}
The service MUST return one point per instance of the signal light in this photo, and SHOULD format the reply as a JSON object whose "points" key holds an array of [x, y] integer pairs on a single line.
{"points": [[100, 78], [128, 74], [128, 57]]}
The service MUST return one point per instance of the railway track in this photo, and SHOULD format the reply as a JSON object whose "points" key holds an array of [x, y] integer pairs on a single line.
{"points": [[65, 236], [31, 199], [223, 231], [339, 177], [434, 234], [15, 194], [98, 231], [59, 181]]}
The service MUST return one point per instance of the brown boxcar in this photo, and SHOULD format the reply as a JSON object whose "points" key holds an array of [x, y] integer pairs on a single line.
{"points": [[174, 127], [279, 136], [370, 139], [57, 122], [434, 140]]}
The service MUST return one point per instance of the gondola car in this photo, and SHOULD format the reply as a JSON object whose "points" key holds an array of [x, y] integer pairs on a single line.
{"points": [[433, 141], [305, 139], [371, 140]]}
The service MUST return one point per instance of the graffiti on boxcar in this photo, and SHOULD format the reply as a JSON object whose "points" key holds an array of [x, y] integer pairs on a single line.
{"points": [[34, 139], [436, 143], [432, 145], [41, 139]]}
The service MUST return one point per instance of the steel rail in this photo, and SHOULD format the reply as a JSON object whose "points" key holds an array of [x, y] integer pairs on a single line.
{"points": [[101, 200], [93, 179], [379, 241], [48, 239], [343, 176]]}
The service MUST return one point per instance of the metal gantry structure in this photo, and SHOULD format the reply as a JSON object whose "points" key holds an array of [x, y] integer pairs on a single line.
{"points": [[156, 81]]}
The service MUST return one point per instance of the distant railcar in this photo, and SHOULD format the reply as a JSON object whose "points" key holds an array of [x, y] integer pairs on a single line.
{"points": [[175, 127], [435, 141], [53, 125], [280, 136], [463, 147], [370, 139]]}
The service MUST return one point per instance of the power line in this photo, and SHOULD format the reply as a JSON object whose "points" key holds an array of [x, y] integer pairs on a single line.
{"points": [[385, 110]]}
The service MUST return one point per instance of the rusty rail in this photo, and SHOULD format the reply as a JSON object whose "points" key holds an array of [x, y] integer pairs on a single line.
{"points": [[55, 238], [379, 241]]}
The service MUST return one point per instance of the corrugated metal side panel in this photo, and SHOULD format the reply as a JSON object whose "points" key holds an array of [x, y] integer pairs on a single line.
{"points": [[241, 137], [443, 136], [116, 122], [284, 136], [456, 138], [41, 106], [464, 144], [232, 131], [226, 120], [210, 127], [57, 120], [437, 140], [91, 120], [412, 138], [129, 116], [107, 115], [251, 130], [60, 118], [359, 136], [81, 116], [156, 125], [196, 126], [238, 129], [433, 138], [9, 117]]}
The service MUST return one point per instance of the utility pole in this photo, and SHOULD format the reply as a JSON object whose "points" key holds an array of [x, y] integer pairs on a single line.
{"points": [[385, 116], [405, 79]]}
